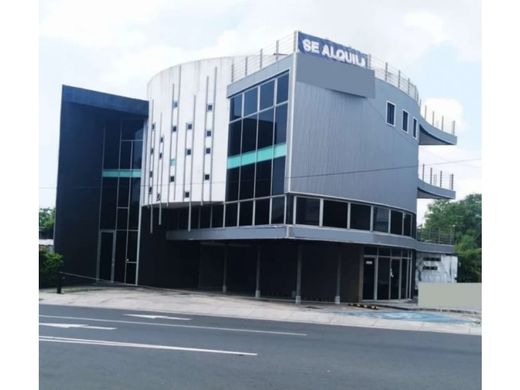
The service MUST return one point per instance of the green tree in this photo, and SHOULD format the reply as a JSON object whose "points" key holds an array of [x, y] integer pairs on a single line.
{"points": [[464, 219], [46, 222]]}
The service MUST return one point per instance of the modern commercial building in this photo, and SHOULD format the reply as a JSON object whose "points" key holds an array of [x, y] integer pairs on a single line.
{"points": [[293, 172]]}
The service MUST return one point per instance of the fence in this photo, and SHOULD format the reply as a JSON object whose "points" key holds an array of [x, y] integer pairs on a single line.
{"points": [[437, 178], [436, 236]]}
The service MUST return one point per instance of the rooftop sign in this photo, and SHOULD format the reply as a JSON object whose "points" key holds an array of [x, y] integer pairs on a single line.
{"points": [[334, 51]]}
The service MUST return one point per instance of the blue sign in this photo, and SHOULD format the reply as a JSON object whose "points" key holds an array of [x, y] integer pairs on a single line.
{"points": [[334, 51]]}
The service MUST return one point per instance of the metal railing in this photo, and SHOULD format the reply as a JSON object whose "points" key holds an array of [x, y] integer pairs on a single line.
{"points": [[437, 178], [281, 48], [436, 236]]}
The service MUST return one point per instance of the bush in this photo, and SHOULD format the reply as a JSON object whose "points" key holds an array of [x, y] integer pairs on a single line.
{"points": [[50, 265]]}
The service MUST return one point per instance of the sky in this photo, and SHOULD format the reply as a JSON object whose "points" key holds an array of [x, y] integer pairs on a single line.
{"points": [[117, 46]]}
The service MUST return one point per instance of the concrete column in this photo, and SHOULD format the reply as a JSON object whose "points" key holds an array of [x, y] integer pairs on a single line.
{"points": [[299, 275], [337, 299], [258, 259], [224, 278]]}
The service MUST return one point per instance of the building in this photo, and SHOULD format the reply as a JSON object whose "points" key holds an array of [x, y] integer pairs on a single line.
{"points": [[293, 172]]}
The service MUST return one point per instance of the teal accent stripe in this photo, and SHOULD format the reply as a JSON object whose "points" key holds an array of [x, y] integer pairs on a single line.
{"points": [[172, 162], [136, 173], [264, 154]]}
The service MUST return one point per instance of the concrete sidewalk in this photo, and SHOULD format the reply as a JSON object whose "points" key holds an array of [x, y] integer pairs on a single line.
{"points": [[216, 304]]}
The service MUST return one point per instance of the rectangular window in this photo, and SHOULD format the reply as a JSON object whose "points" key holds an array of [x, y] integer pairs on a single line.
{"points": [[233, 176], [407, 225], [262, 212], [208, 150], [277, 211], [174, 129], [414, 127], [217, 215], [161, 140], [153, 126], [390, 113], [265, 128], [251, 101], [307, 211], [209, 107], [189, 126], [235, 138], [267, 95], [263, 179], [247, 181], [186, 194], [195, 217], [249, 133], [188, 152], [208, 133], [282, 92], [183, 218], [396, 222], [246, 213], [359, 216], [236, 107], [205, 217], [280, 124], [175, 104], [231, 214], [405, 121], [206, 176], [172, 179], [160, 155], [381, 219], [278, 176], [335, 214]]}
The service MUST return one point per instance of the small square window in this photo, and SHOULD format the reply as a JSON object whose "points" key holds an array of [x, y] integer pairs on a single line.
{"points": [[151, 173], [162, 139], [153, 126], [160, 155], [175, 104], [206, 176], [187, 194], [172, 179], [210, 107], [151, 150], [188, 152], [208, 150], [158, 197], [208, 133], [404, 126], [174, 129], [189, 126], [414, 127], [149, 190]]}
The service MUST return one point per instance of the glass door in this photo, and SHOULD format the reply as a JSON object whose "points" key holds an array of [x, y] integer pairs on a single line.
{"points": [[395, 273], [106, 255], [369, 267]]}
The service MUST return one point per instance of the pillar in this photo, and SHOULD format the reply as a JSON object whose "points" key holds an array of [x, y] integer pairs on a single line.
{"points": [[224, 277], [299, 275], [258, 259], [337, 299]]}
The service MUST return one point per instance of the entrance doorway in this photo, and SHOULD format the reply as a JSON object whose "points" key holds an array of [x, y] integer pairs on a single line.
{"points": [[369, 272], [395, 272]]}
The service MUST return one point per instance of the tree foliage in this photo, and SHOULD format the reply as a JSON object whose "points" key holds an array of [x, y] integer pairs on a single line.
{"points": [[464, 218], [50, 264], [46, 222]]}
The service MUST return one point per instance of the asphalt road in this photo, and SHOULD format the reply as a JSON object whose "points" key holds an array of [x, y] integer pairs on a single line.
{"points": [[91, 348]]}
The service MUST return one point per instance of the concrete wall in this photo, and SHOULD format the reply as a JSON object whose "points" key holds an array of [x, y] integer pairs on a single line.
{"points": [[451, 295]]}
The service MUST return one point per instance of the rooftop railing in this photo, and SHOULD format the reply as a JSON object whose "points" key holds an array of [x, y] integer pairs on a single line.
{"points": [[437, 178], [436, 236], [288, 45]]}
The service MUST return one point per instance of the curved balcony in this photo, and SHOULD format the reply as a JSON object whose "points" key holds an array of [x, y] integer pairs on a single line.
{"points": [[430, 185], [436, 129]]}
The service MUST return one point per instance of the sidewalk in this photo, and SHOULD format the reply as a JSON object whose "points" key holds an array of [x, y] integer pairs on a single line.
{"points": [[216, 304]]}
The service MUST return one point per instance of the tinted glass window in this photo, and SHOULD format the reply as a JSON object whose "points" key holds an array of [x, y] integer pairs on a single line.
{"points": [[124, 159], [250, 101], [183, 218], [370, 250], [246, 213], [234, 141], [407, 225], [217, 215], [277, 211], [396, 222], [108, 203], [131, 129], [263, 179], [236, 107], [231, 214], [137, 154], [278, 175], [390, 113], [383, 278], [262, 212], [280, 124], [232, 184], [124, 192], [266, 95], [195, 211], [307, 211], [249, 134], [405, 121], [205, 215], [111, 159], [359, 216], [415, 127], [265, 128], [247, 181], [335, 214], [282, 92], [381, 215]]}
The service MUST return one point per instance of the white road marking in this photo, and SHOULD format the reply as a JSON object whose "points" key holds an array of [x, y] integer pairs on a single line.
{"points": [[152, 317], [82, 326], [179, 325], [137, 345]]}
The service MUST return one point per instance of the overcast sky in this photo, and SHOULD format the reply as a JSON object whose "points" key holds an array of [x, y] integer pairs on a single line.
{"points": [[117, 46]]}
